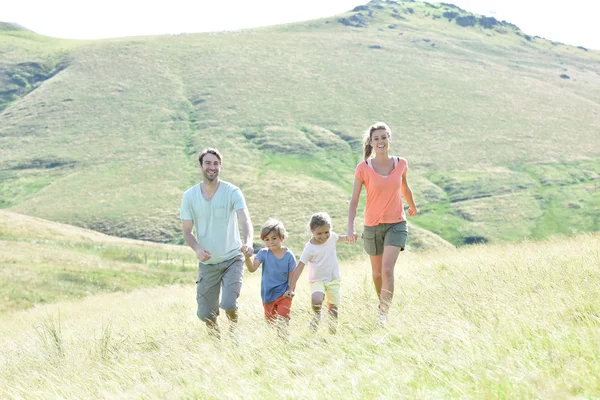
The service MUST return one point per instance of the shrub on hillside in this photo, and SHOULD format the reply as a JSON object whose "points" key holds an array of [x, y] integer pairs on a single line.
{"points": [[356, 21], [565, 76], [468, 20], [360, 8], [450, 15], [488, 22]]}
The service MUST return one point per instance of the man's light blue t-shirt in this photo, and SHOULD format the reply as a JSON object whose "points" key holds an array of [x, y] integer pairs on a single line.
{"points": [[275, 273], [215, 221]]}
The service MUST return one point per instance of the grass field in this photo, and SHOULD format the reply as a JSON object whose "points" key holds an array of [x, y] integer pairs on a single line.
{"points": [[490, 321], [104, 134], [44, 262]]}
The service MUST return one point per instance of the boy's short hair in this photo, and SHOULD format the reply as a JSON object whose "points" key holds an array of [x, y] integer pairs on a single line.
{"points": [[273, 225]]}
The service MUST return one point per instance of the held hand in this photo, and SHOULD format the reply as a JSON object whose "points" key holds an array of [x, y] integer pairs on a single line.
{"points": [[412, 211], [352, 237], [289, 294], [203, 254], [247, 250]]}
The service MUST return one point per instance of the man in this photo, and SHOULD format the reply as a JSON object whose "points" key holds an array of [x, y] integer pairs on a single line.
{"points": [[213, 207]]}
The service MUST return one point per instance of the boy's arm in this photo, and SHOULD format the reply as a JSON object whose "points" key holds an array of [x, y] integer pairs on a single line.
{"points": [[252, 265]]}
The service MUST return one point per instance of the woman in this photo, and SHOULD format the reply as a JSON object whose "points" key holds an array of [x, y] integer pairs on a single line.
{"points": [[385, 232]]}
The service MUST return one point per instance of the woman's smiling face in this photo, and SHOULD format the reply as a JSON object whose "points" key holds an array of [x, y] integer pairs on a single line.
{"points": [[380, 140]]}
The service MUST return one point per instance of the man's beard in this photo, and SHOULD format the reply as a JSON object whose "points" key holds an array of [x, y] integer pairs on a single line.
{"points": [[210, 177]]}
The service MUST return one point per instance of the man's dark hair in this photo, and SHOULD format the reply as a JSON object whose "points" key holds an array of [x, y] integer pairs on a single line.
{"points": [[214, 152]]}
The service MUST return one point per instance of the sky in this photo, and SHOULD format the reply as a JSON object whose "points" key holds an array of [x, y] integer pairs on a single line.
{"points": [[93, 19]]}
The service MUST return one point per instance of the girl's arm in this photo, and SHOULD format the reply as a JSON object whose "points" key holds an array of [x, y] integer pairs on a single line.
{"points": [[342, 239], [356, 189], [293, 278], [408, 195]]}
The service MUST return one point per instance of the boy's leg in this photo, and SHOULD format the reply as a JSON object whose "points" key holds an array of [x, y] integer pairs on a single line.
{"points": [[283, 306], [270, 312], [231, 286]]}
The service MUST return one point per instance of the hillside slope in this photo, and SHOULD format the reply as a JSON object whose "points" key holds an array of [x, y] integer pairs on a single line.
{"points": [[500, 129]]}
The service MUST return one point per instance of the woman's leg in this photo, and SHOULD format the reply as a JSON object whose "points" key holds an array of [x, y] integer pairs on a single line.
{"points": [[376, 265], [389, 258]]}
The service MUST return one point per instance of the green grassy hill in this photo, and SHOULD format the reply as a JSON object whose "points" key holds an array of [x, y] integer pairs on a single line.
{"points": [[45, 262], [508, 321], [500, 129]]}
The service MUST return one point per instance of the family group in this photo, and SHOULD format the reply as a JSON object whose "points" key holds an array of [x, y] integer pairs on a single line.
{"points": [[216, 210]]}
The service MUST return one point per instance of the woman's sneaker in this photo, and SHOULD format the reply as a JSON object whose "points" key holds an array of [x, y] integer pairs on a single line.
{"points": [[381, 320]]}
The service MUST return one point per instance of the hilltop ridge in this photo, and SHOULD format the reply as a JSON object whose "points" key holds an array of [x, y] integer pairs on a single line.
{"points": [[104, 134]]}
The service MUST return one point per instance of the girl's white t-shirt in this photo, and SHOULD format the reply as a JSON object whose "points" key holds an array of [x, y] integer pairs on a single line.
{"points": [[322, 260]]}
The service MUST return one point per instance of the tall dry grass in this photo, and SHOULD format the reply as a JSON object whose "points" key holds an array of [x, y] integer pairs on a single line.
{"points": [[505, 321]]}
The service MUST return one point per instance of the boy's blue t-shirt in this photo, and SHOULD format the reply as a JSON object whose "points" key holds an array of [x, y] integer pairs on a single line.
{"points": [[275, 273]]}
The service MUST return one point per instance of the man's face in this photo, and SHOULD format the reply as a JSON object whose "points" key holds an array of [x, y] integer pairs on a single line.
{"points": [[211, 166]]}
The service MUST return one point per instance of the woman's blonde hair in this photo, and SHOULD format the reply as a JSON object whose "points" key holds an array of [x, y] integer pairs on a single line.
{"points": [[368, 149]]}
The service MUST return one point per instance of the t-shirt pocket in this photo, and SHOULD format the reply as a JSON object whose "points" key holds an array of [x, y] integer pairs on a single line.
{"points": [[220, 213]]}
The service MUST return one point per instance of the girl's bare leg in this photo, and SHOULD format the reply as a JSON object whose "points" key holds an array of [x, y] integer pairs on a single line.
{"points": [[317, 302], [333, 318]]}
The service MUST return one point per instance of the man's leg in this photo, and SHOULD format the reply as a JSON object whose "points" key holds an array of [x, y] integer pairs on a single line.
{"points": [[231, 286], [207, 297]]}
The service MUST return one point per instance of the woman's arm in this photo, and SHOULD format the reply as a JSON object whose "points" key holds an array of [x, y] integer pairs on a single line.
{"points": [[408, 195], [356, 189]]}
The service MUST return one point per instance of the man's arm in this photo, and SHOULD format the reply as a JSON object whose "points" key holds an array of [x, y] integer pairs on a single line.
{"points": [[190, 240], [247, 231]]}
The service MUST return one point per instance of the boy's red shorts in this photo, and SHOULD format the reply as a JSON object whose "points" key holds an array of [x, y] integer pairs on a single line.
{"points": [[281, 306]]}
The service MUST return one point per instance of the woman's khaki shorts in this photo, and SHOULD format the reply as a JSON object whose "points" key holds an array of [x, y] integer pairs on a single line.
{"points": [[377, 237]]}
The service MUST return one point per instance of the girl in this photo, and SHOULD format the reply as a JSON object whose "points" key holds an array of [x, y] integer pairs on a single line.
{"points": [[385, 231], [277, 264], [323, 270]]}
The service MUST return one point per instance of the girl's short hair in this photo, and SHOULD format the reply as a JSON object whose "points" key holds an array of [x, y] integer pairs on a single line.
{"points": [[367, 147], [273, 225], [318, 220]]}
